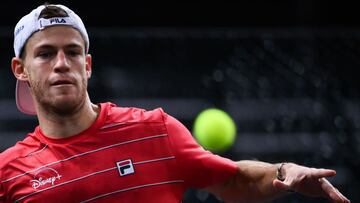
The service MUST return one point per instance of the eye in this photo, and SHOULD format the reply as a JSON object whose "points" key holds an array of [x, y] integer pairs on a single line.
{"points": [[73, 53], [45, 54]]}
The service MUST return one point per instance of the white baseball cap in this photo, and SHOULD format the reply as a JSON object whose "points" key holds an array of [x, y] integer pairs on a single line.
{"points": [[24, 29]]}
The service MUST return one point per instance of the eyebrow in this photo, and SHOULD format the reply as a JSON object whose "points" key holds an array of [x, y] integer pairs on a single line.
{"points": [[49, 46]]}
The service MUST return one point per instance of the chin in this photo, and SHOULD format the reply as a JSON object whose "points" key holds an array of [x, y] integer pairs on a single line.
{"points": [[67, 106], [65, 110]]}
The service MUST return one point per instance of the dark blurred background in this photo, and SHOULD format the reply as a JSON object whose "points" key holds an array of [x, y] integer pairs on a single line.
{"points": [[287, 71]]}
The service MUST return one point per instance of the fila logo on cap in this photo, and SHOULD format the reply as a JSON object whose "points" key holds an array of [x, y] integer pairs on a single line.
{"points": [[57, 20], [19, 30], [125, 167]]}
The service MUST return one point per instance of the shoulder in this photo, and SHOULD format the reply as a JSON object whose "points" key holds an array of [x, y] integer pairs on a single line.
{"points": [[134, 114], [21, 149]]}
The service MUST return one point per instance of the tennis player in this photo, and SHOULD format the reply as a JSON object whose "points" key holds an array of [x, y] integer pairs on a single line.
{"points": [[86, 152]]}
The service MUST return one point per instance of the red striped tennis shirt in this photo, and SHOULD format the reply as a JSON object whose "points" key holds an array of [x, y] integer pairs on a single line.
{"points": [[127, 155]]}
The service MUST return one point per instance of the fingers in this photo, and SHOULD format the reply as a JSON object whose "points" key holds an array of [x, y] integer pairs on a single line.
{"points": [[332, 193], [326, 188], [311, 182], [281, 185], [336, 197], [322, 173]]}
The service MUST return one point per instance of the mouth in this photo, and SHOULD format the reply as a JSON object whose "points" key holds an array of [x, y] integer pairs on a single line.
{"points": [[61, 82]]}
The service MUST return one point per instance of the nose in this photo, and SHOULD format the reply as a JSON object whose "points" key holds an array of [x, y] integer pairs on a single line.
{"points": [[62, 63]]}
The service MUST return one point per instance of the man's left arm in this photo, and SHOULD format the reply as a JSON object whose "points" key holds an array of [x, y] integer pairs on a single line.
{"points": [[258, 181]]}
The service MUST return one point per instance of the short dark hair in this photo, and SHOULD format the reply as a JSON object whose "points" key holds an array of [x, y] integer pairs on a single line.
{"points": [[51, 11]]}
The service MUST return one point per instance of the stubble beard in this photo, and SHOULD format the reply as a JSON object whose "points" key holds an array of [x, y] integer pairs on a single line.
{"points": [[64, 108]]}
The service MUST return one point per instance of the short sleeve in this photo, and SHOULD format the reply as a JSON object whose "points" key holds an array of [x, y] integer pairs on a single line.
{"points": [[200, 168]]}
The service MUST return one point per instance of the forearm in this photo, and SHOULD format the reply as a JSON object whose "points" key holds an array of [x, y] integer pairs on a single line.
{"points": [[253, 183], [255, 179]]}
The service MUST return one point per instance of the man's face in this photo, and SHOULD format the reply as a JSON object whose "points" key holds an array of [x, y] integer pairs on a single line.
{"points": [[58, 69]]}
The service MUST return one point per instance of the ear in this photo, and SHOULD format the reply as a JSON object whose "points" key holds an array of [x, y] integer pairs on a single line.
{"points": [[18, 69], [88, 65]]}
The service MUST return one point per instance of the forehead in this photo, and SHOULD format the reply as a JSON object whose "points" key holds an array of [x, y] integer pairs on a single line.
{"points": [[57, 36]]}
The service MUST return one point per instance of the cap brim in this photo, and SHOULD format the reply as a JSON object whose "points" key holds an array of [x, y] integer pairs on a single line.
{"points": [[24, 101]]}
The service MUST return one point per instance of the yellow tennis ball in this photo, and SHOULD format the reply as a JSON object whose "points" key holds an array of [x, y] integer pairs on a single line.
{"points": [[215, 130]]}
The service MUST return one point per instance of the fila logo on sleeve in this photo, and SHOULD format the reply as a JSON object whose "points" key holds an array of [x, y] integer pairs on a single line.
{"points": [[125, 167]]}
